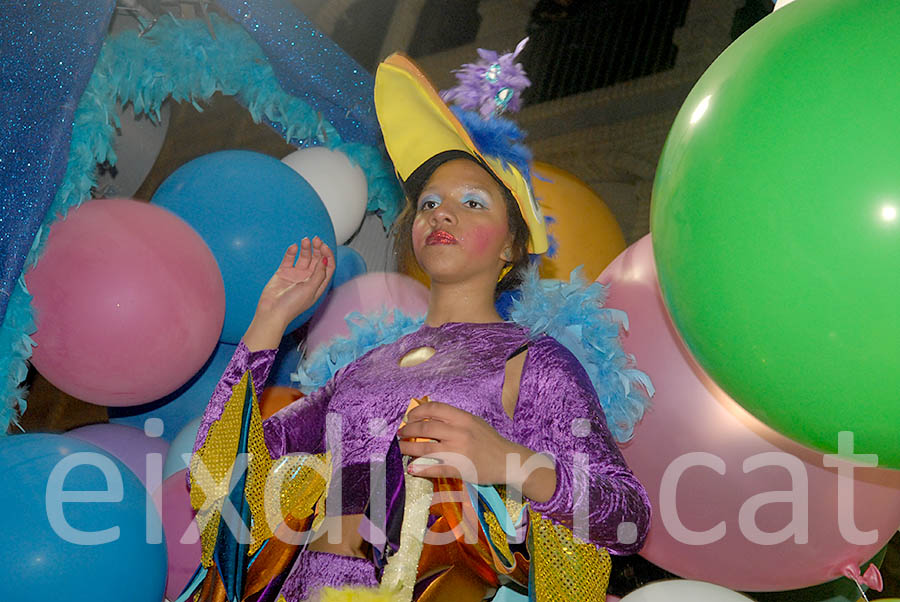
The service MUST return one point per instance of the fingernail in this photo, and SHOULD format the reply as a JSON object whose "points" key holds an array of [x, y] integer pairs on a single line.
{"points": [[325, 260]]}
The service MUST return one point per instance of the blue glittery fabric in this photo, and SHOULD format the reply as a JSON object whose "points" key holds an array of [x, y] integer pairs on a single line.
{"points": [[48, 50], [310, 66], [47, 56]]}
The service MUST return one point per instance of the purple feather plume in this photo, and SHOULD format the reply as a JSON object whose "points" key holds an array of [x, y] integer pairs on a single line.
{"points": [[491, 85]]}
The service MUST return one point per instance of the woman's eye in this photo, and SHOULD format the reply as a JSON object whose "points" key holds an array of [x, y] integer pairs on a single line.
{"points": [[474, 202], [429, 202]]}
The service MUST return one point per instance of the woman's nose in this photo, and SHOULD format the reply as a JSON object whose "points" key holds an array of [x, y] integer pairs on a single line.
{"points": [[443, 214]]}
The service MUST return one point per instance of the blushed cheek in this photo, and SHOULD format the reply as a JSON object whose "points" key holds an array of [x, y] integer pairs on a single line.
{"points": [[483, 239]]}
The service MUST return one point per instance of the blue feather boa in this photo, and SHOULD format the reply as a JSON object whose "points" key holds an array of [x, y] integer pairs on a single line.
{"points": [[181, 60], [571, 312], [497, 137]]}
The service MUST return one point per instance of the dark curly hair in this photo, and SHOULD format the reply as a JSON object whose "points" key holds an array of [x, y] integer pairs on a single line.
{"points": [[413, 186]]}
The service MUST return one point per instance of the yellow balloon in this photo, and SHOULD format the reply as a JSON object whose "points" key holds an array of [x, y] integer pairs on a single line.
{"points": [[585, 230]]}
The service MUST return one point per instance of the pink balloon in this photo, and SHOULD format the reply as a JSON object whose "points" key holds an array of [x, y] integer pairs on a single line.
{"points": [[173, 500], [130, 445], [129, 302], [691, 415], [368, 293]]}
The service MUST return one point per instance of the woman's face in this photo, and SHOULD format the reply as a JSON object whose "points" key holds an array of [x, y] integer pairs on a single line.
{"points": [[461, 229]]}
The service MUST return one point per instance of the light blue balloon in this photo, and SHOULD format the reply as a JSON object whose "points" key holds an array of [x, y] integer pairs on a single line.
{"points": [[54, 548], [183, 443], [249, 208], [348, 265], [183, 405]]}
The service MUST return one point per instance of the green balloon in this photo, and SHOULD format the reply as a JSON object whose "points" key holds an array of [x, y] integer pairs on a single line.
{"points": [[776, 223]]}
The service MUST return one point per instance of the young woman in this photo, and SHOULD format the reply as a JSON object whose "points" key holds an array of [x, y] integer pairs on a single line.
{"points": [[468, 395]]}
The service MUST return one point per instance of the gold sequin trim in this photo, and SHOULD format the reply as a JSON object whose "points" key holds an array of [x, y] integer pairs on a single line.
{"points": [[211, 468], [566, 568]]}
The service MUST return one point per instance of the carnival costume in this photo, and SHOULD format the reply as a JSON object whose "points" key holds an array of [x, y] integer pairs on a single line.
{"points": [[338, 447]]}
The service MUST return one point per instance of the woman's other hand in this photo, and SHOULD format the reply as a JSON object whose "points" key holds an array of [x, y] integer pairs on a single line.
{"points": [[295, 286], [469, 448]]}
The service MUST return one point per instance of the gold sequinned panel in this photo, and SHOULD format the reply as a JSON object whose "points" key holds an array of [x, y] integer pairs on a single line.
{"points": [[566, 568], [213, 462]]}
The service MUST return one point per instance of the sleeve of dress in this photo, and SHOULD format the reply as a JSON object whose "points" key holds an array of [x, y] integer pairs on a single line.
{"points": [[257, 362], [597, 496], [297, 427], [300, 426]]}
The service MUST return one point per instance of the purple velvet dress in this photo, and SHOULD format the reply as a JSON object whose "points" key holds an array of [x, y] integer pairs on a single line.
{"points": [[362, 407]]}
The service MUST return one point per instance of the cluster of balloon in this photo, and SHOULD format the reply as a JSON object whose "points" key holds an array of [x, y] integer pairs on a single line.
{"points": [[725, 485], [77, 524], [775, 223], [129, 303], [239, 245]]}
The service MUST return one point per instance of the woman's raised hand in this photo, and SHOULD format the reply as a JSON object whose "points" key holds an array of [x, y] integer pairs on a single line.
{"points": [[298, 282], [295, 286]]}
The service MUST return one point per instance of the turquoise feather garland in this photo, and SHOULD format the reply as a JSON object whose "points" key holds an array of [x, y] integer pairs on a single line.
{"points": [[16, 343], [571, 312], [181, 60]]}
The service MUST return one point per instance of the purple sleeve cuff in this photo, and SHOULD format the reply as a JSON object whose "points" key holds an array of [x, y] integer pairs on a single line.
{"points": [[596, 495], [258, 362]]}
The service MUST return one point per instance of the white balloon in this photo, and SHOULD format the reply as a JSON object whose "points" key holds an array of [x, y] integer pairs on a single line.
{"points": [[684, 590], [781, 3], [339, 183]]}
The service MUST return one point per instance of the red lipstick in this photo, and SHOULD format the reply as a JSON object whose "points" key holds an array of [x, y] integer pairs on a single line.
{"points": [[440, 237]]}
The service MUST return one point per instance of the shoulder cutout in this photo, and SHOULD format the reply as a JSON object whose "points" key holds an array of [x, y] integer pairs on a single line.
{"points": [[512, 377]]}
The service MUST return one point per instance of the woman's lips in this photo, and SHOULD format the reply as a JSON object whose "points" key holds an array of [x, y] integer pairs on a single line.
{"points": [[439, 237]]}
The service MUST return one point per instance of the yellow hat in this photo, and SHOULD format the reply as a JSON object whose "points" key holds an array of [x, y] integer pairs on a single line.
{"points": [[417, 125]]}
